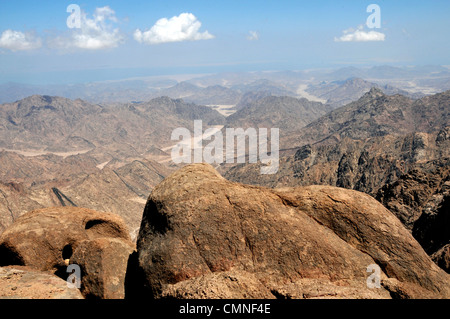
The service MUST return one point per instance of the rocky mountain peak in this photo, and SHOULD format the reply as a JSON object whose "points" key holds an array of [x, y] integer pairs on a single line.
{"points": [[374, 93]]}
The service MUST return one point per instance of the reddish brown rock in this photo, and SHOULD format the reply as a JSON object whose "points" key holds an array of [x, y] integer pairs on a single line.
{"points": [[442, 258], [44, 239], [363, 223], [23, 283], [103, 263], [197, 227], [324, 289], [219, 285]]}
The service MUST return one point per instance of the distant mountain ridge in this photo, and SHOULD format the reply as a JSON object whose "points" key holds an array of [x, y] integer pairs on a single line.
{"points": [[376, 114], [339, 93], [283, 112], [229, 88], [60, 124]]}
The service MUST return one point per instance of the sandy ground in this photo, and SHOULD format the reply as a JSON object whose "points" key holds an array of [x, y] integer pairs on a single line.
{"points": [[301, 92], [102, 165], [224, 109], [30, 153]]}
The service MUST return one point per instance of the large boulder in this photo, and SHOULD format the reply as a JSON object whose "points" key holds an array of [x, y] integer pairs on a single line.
{"points": [[19, 282], [103, 264], [304, 242], [44, 239], [50, 239]]}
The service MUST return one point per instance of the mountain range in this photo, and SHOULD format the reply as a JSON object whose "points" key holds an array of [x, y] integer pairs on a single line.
{"points": [[387, 143], [376, 114], [339, 93], [230, 88], [55, 124]]}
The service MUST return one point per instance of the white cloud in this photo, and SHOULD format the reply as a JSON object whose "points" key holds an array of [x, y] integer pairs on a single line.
{"points": [[359, 35], [95, 33], [184, 27], [19, 41], [252, 36]]}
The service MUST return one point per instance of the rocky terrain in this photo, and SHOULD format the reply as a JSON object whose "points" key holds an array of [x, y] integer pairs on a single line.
{"points": [[294, 242], [56, 124], [51, 239], [62, 152], [341, 92], [202, 236], [199, 235], [122, 190], [285, 113], [375, 114], [390, 147]]}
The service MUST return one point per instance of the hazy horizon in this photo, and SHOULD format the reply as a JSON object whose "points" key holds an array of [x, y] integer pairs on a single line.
{"points": [[53, 43]]}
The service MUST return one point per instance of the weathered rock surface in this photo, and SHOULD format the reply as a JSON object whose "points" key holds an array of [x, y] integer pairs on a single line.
{"points": [[21, 283], [304, 242], [421, 200], [283, 112], [420, 191], [442, 258], [375, 114], [219, 285], [365, 166], [433, 227], [103, 264], [44, 239], [33, 182], [409, 175]]}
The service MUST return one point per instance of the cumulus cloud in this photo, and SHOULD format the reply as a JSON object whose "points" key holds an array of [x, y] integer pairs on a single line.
{"points": [[19, 41], [253, 36], [184, 27], [95, 33], [359, 35]]}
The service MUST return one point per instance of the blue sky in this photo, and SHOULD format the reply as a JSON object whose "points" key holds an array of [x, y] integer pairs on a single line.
{"points": [[36, 45]]}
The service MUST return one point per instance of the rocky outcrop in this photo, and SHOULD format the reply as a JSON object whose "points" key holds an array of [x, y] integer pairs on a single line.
{"points": [[304, 242], [409, 175], [43, 239], [22, 283], [421, 200], [35, 182], [420, 191], [53, 238], [442, 258], [103, 261], [432, 228], [365, 166]]}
